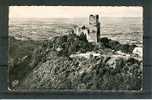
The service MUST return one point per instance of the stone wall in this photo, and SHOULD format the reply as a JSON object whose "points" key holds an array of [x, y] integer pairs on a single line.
{"points": [[94, 28], [92, 31]]}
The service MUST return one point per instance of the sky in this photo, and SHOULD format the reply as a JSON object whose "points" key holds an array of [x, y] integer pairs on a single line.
{"points": [[73, 11]]}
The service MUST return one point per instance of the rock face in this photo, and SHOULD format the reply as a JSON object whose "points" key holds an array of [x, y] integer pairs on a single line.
{"points": [[138, 51], [103, 69], [115, 45]]}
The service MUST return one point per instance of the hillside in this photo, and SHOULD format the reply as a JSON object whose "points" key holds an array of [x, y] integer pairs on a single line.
{"points": [[71, 62]]}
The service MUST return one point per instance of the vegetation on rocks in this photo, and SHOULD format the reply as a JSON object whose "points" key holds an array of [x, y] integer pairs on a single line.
{"points": [[51, 65]]}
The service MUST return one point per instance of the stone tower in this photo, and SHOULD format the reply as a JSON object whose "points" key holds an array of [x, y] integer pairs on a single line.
{"points": [[94, 28]]}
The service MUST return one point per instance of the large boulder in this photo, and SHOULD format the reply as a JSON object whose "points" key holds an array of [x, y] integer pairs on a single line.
{"points": [[138, 51], [115, 62]]}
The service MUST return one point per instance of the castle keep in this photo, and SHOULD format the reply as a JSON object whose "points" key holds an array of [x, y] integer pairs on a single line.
{"points": [[91, 31]]}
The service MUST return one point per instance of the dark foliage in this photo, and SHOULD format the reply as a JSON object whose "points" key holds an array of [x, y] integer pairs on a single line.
{"points": [[51, 67]]}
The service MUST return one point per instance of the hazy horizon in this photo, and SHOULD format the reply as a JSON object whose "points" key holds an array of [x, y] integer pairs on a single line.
{"points": [[73, 11], [65, 17]]}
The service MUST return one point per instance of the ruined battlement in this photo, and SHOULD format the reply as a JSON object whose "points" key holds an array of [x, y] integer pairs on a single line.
{"points": [[93, 19], [92, 30]]}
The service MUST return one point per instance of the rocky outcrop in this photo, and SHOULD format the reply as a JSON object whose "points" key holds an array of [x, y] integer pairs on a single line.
{"points": [[71, 62], [138, 51], [115, 45], [100, 72]]}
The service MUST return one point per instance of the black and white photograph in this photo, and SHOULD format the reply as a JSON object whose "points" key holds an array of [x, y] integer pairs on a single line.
{"points": [[75, 48]]}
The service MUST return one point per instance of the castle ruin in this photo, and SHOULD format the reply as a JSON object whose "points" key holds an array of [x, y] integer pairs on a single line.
{"points": [[91, 31]]}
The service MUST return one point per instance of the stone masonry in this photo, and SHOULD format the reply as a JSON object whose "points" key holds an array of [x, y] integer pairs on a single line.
{"points": [[92, 31]]}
